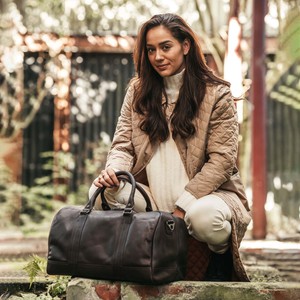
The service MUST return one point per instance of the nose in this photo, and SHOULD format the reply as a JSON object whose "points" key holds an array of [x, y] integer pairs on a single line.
{"points": [[158, 55]]}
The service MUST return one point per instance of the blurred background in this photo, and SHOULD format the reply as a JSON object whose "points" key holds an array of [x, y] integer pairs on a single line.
{"points": [[64, 68]]}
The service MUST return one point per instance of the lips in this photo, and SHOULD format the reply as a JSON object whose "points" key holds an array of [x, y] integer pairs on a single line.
{"points": [[162, 67]]}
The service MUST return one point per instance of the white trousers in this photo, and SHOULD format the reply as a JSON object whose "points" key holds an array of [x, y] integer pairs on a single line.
{"points": [[207, 219]]}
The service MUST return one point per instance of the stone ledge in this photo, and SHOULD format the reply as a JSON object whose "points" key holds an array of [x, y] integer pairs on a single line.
{"points": [[87, 289]]}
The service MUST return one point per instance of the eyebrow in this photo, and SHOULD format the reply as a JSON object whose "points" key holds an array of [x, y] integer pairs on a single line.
{"points": [[160, 44]]}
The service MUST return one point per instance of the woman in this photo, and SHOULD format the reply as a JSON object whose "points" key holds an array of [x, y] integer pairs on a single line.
{"points": [[178, 135]]}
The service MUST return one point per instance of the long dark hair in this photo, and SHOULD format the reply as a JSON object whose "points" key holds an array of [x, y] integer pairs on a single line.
{"points": [[149, 86]]}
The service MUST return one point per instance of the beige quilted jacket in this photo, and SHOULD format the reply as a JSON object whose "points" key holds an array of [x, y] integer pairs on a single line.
{"points": [[209, 156]]}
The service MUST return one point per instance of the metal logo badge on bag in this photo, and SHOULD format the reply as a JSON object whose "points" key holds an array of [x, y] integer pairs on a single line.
{"points": [[170, 226]]}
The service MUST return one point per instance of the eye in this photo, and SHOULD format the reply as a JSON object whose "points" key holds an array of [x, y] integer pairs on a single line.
{"points": [[166, 47], [150, 50]]}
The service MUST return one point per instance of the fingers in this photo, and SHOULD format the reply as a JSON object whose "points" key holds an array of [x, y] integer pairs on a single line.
{"points": [[107, 178], [112, 175]]}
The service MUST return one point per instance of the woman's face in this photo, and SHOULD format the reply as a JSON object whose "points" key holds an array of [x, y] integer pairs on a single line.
{"points": [[165, 53]]}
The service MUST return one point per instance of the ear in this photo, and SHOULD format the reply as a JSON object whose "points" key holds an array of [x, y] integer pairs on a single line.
{"points": [[186, 46]]}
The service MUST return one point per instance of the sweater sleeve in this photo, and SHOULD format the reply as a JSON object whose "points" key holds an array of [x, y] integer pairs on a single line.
{"points": [[186, 200]]}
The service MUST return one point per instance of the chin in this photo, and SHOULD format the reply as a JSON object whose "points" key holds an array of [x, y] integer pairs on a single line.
{"points": [[164, 73]]}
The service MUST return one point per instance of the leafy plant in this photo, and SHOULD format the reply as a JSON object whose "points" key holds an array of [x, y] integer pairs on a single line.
{"points": [[57, 286], [25, 206], [10, 193], [36, 266]]}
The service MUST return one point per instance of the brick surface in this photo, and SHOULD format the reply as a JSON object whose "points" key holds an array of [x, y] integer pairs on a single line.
{"points": [[108, 291]]}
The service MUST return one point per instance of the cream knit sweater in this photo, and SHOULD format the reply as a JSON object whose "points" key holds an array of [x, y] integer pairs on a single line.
{"points": [[166, 173]]}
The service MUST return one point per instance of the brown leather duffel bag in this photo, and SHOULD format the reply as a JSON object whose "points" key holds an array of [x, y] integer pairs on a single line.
{"points": [[121, 245]]}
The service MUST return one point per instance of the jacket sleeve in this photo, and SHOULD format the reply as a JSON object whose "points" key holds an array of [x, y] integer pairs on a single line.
{"points": [[121, 154], [221, 148]]}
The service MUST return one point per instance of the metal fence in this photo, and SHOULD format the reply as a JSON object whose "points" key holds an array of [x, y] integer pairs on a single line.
{"points": [[38, 136], [98, 87], [283, 150]]}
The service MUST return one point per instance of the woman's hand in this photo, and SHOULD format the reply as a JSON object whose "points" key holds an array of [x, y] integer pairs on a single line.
{"points": [[180, 213], [107, 178]]}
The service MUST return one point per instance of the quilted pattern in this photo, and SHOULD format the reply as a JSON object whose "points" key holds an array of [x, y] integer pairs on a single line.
{"points": [[198, 259]]}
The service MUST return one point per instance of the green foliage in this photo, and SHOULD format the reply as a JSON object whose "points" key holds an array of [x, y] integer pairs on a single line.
{"points": [[26, 207], [39, 201], [36, 266], [10, 193], [57, 286]]}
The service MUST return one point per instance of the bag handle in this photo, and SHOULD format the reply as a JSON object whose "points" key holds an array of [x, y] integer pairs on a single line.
{"points": [[121, 175], [105, 205]]}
